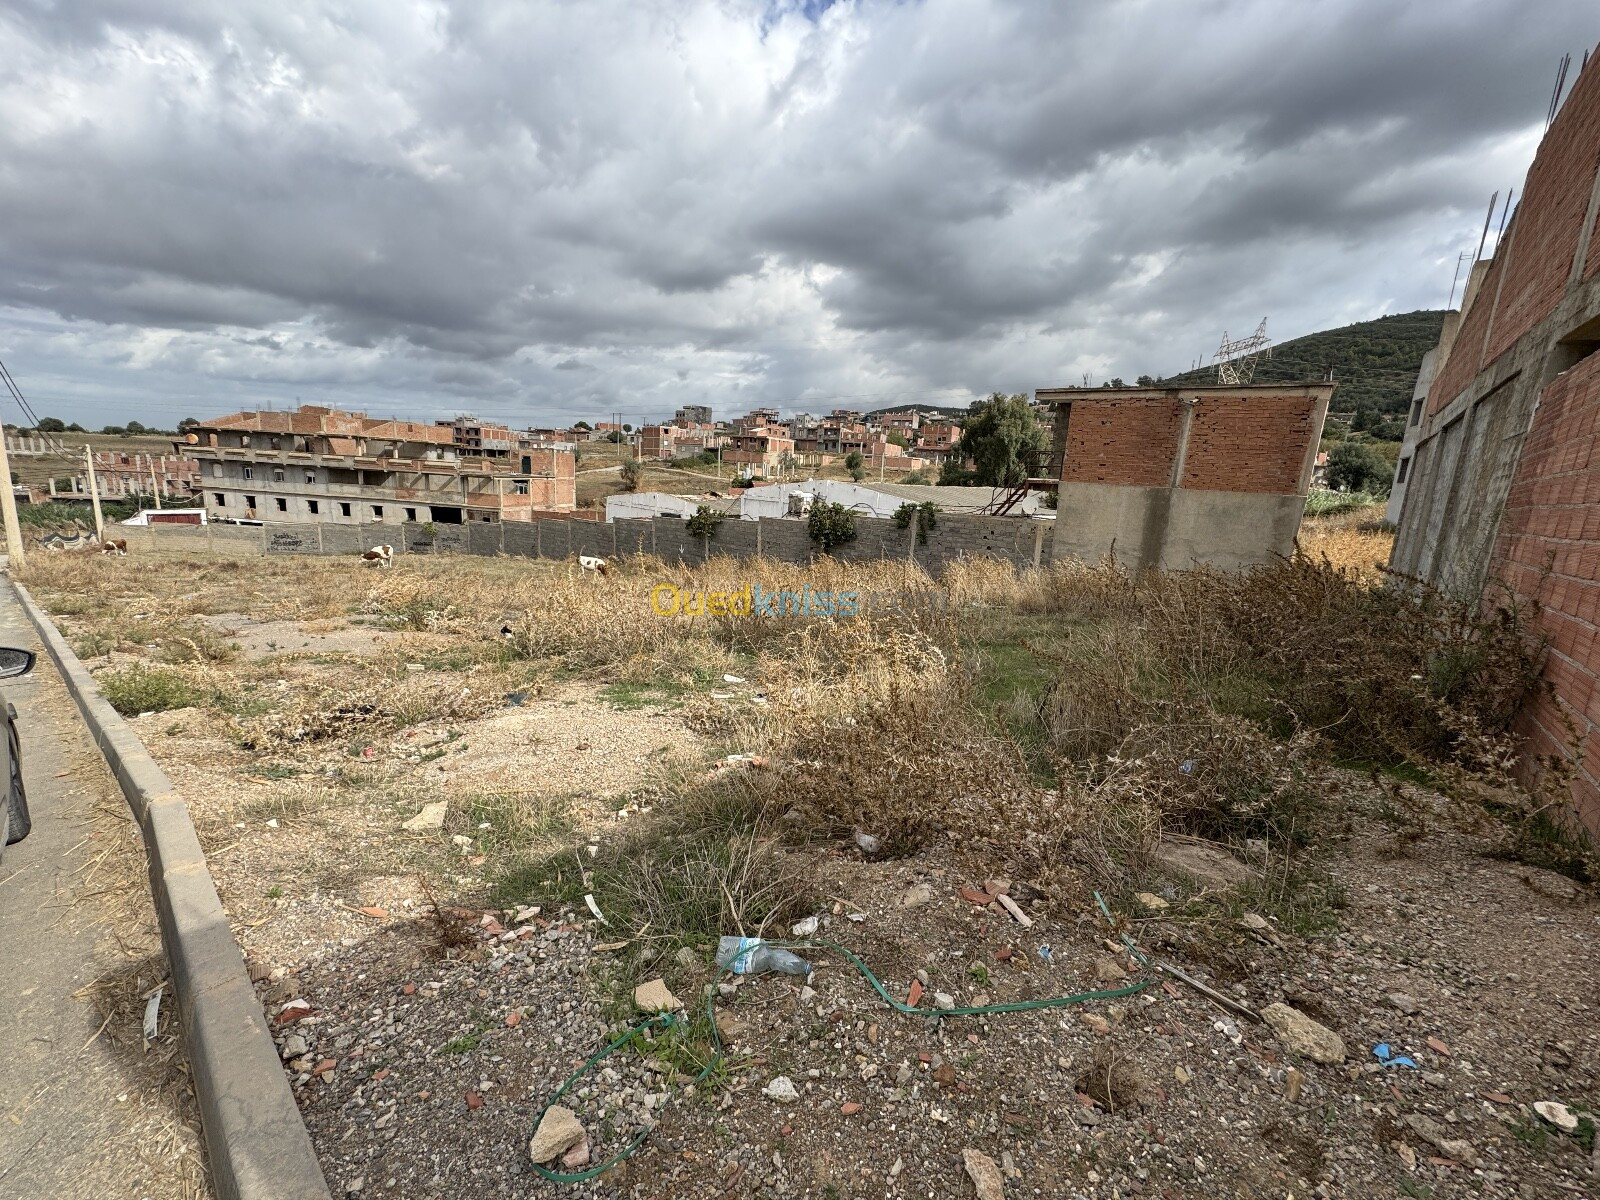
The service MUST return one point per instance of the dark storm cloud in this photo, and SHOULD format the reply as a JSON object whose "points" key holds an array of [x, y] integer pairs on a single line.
{"points": [[540, 209]]}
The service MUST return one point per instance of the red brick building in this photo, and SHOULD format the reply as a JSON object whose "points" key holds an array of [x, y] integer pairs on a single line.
{"points": [[1177, 477], [1504, 484]]}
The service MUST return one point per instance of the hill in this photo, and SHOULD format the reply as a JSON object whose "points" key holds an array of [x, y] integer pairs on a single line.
{"points": [[1373, 362]]}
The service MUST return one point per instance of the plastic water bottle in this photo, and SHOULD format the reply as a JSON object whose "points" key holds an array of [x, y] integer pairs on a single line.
{"points": [[752, 956]]}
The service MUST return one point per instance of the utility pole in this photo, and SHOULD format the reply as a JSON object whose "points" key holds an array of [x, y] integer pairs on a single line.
{"points": [[8, 507], [94, 495], [155, 486]]}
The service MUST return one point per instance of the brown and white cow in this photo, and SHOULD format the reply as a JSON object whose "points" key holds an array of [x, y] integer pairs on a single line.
{"points": [[378, 556]]}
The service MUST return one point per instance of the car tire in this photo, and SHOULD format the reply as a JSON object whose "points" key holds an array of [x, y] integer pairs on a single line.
{"points": [[20, 823]]}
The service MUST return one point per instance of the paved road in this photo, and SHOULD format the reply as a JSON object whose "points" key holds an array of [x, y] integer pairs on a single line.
{"points": [[78, 1117]]}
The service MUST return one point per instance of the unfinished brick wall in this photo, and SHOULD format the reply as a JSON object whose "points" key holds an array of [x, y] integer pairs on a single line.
{"points": [[1550, 218], [1236, 443], [1249, 443], [1127, 440], [1528, 276], [1548, 551]]}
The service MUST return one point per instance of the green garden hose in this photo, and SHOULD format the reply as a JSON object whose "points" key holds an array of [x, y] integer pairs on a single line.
{"points": [[668, 1021]]}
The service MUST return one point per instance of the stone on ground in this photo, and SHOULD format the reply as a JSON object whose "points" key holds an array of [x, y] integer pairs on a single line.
{"points": [[558, 1132], [1558, 1114], [985, 1175], [1209, 866], [782, 1090], [1301, 1035], [653, 996], [430, 818]]}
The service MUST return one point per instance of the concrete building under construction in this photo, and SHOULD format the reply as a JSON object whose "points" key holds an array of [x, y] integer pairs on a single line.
{"points": [[1177, 477], [322, 465], [1502, 488]]}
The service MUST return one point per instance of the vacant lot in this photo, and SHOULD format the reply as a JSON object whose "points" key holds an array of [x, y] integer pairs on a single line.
{"points": [[413, 783]]}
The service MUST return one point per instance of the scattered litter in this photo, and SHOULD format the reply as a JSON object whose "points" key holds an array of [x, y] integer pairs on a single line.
{"points": [[732, 679], [867, 844], [857, 917], [722, 695], [595, 909], [1045, 954], [152, 1016], [752, 956], [1384, 1054], [805, 928], [516, 699], [1151, 901], [1187, 766]]}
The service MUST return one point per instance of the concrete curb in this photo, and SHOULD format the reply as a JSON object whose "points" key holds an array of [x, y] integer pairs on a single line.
{"points": [[255, 1136]]}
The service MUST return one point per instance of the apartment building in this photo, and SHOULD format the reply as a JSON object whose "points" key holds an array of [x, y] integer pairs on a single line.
{"points": [[761, 451], [692, 414], [658, 441], [322, 465]]}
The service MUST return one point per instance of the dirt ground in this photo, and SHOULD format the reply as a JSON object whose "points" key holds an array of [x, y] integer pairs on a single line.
{"points": [[424, 1029], [1482, 973]]}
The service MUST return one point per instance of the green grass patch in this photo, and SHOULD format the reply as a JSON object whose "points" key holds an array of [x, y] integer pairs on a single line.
{"points": [[651, 693], [141, 689]]}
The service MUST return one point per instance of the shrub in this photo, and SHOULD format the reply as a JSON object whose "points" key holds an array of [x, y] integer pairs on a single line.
{"points": [[140, 689], [705, 521], [925, 514], [632, 473], [831, 525]]}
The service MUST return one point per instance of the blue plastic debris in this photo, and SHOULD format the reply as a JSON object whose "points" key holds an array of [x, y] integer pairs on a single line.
{"points": [[1044, 953], [1384, 1054], [1187, 767]]}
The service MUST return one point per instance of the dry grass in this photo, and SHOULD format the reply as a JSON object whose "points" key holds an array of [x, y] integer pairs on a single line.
{"points": [[1357, 541], [1200, 702]]}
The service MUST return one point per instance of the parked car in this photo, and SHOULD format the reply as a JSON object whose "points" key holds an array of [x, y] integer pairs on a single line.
{"points": [[14, 820]]}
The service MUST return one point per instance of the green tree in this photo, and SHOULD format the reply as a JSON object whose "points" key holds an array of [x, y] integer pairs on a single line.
{"points": [[1357, 467], [856, 465], [998, 435], [188, 423], [632, 474], [831, 525], [52, 425], [135, 428]]}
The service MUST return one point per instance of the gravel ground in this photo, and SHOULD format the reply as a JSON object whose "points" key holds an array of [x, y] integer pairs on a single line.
{"points": [[435, 1062]]}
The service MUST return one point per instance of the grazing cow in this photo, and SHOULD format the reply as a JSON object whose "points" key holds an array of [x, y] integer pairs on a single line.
{"points": [[115, 546], [378, 556], [589, 563], [507, 632]]}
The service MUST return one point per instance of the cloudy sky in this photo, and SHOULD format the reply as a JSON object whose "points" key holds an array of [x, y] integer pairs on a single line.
{"points": [[541, 211]]}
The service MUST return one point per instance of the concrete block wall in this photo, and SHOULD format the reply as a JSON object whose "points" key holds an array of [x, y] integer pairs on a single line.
{"points": [[956, 535], [1020, 542]]}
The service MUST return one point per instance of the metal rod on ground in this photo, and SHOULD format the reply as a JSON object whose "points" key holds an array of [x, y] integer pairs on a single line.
{"points": [[8, 508], [94, 495], [1209, 992]]}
